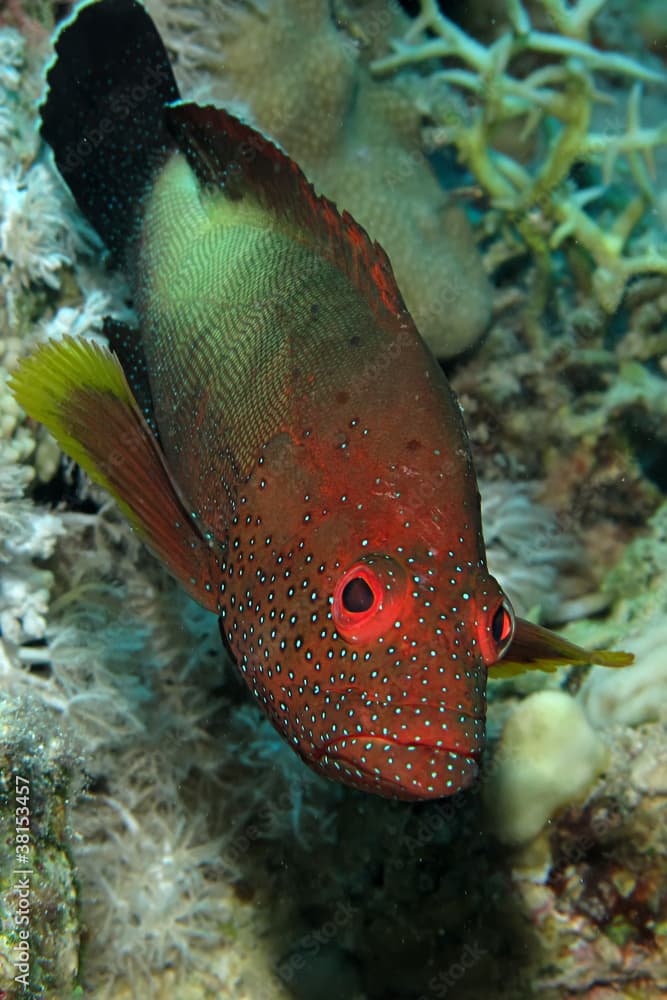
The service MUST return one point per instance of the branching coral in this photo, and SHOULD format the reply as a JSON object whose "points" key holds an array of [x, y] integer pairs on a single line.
{"points": [[556, 95]]}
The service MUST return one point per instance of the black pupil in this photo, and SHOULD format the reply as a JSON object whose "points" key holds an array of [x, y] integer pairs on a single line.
{"points": [[498, 630], [357, 596]]}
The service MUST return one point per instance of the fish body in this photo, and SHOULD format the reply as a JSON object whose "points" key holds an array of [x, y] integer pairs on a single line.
{"points": [[275, 428], [337, 469]]}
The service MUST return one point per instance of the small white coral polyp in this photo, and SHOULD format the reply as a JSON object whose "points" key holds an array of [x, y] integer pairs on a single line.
{"points": [[34, 234]]}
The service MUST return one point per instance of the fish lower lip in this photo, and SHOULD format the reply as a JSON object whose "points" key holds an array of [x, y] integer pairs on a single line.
{"points": [[411, 770], [334, 746]]}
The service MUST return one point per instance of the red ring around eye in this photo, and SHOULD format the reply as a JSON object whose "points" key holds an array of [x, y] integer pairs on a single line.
{"points": [[367, 598], [496, 636]]}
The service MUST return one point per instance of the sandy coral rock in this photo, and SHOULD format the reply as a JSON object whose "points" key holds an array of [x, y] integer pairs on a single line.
{"points": [[601, 910], [306, 82], [549, 755], [32, 778]]}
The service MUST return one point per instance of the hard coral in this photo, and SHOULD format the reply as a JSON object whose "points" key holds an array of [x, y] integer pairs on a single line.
{"points": [[181, 801], [305, 80], [554, 95], [600, 906], [535, 770]]}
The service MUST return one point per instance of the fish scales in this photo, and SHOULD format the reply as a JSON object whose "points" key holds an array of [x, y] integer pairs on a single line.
{"points": [[275, 428]]}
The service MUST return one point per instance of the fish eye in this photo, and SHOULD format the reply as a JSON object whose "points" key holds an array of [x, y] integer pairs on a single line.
{"points": [[502, 631], [368, 597], [495, 632]]}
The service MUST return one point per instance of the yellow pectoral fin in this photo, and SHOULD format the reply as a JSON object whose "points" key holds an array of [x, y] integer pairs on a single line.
{"points": [[537, 648], [78, 390]]}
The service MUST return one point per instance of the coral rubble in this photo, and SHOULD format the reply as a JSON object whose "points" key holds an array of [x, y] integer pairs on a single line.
{"points": [[600, 906]]}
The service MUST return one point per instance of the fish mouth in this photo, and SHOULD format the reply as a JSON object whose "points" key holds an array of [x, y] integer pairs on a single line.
{"points": [[408, 749], [412, 771]]}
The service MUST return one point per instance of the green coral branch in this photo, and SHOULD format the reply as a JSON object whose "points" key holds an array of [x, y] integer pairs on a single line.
{"points": [[574, 20], [607, 62], [539, 202], [606, 246], [453, 42], [636, 144]]}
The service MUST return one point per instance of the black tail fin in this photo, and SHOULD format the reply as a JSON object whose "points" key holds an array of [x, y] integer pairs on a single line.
{"points": [[103, 113]]}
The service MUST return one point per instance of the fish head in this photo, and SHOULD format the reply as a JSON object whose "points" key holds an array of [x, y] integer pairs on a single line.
{"points": [[371, 664], [413, 617], [404, 708], [365, 619]]}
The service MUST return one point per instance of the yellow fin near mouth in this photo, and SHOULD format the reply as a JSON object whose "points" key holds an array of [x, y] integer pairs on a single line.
{"points": [[79, 391], [536, 648]]}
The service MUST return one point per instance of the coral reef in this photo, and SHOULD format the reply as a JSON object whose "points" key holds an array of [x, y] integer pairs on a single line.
{"points": [[599, 906], [539, 200], [183, 851], [640, 695], [638, 587]]}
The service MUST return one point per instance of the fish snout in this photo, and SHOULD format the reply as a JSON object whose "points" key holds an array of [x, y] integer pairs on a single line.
{"points": [[411, 752]]}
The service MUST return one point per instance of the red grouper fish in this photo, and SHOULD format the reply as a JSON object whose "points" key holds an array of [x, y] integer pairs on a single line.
{"points": [[274, 427]]}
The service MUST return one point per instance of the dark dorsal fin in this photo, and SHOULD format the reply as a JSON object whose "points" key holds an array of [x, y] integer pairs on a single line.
{"points": [[103, 113], [228, 155]]}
